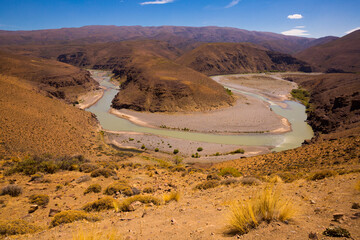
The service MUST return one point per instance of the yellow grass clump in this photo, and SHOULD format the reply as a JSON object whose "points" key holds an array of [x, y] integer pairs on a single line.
{"points": [[125, 205], [173, 196], [357, 185], [265, 207], [15, 227], [72, 216], [98, 234]]}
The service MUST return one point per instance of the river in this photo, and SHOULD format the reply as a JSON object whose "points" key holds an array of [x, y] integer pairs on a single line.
{"points": [[294, 112]]}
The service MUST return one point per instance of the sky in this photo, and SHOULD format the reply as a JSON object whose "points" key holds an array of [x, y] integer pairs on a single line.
{"points": [[307, 18]]}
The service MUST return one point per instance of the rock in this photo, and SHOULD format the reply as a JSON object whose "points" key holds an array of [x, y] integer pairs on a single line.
{"points": [[317, 210], [355, 206], [135, 205], [82, 179], [336, 232], [135, 191], [313, 236], [312, 201], [52, 212], [173, 221], [338, 217], [33, 208]]}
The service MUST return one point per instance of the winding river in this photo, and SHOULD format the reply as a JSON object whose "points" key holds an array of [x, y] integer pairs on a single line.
{"points": [[294, 112]]}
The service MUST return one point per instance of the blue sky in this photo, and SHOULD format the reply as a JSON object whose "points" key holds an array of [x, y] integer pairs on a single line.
{"points": [[309, 18]]}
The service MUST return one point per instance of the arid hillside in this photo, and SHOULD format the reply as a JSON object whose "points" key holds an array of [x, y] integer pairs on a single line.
{"points": [[181, 37], [334, 102], [52, 78], [33, 123], [342, 54], [230, 58]]}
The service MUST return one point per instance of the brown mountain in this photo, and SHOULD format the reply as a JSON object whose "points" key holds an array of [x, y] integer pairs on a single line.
{"points": [[342, 54], [151, 80], [230, 58], [53, 78], [181, 37]]}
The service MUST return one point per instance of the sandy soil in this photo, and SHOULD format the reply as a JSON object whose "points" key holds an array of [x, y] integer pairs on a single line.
{"points": [[166, 146], [90, 98]]}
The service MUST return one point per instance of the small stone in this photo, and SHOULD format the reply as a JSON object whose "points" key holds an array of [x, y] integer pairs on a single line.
{"points": [[173, 221], [219, 209], [52, 212], [136, 204], [355, 206], [312, 201], [313, 236], [317, 210], [33, 208], [338, 216]]}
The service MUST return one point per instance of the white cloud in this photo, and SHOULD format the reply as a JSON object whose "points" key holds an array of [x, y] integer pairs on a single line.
{"points": [[352, 30], [296, 32], [295, 16], [157, 2], [300, 27], [233, 3]]}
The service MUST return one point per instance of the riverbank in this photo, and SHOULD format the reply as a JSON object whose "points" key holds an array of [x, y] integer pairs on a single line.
{"points": [[165, 146]]}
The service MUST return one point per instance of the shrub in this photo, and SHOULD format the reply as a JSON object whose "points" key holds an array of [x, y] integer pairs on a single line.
{"points": [[121, 187], [207, 184], [240, 150], [102, 204], [156, 149], [229, 181], [103, 172], [143, 146], [15, 227], [148, 190], [39, 199], [249, 181], [199, 149], [173, 196], [265, 207], [12, 190], [88, 167], [212, 176], [229, 171], [93, 188], [176, 151], [337, 232], [275, 179], [321, 175], [125, 205], [72, 216]]}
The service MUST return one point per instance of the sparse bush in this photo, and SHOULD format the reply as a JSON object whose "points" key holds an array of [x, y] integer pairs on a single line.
{"points": [[337, 232], [199, 149], [102, 204], [250, 181], [124, 206], [207, 184], [240, 150], [173, 196], [212, 176], [265, 207], [322, 174], [83, 178], [143, 146], [36, 177], [121, 187], [229, 181], [12, 190], [176, 151], [88, 167], [72, 216], [93, 188], [148, 190], [15, 227], [229, 171], [275, 179], [156, 149], [178, 169], [39, 199], [103, 172]]}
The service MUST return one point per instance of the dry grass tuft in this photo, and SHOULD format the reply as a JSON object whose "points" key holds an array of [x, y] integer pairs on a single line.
{"points": [[125, 205], [275, 179], [39, 199], [321, 175], [265, 207], [12, 190], [16, 227], [250, 181], [98, 234], [93, 188], [207, 184], [173, 196], [121, 187], [229, 171], [72, 216], [102, 204], [357, 185]]}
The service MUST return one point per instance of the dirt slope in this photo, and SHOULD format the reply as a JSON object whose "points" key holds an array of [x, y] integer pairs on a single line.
{"points": [[230, 58], [341, 54], [35, 124], [53, 78]]}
